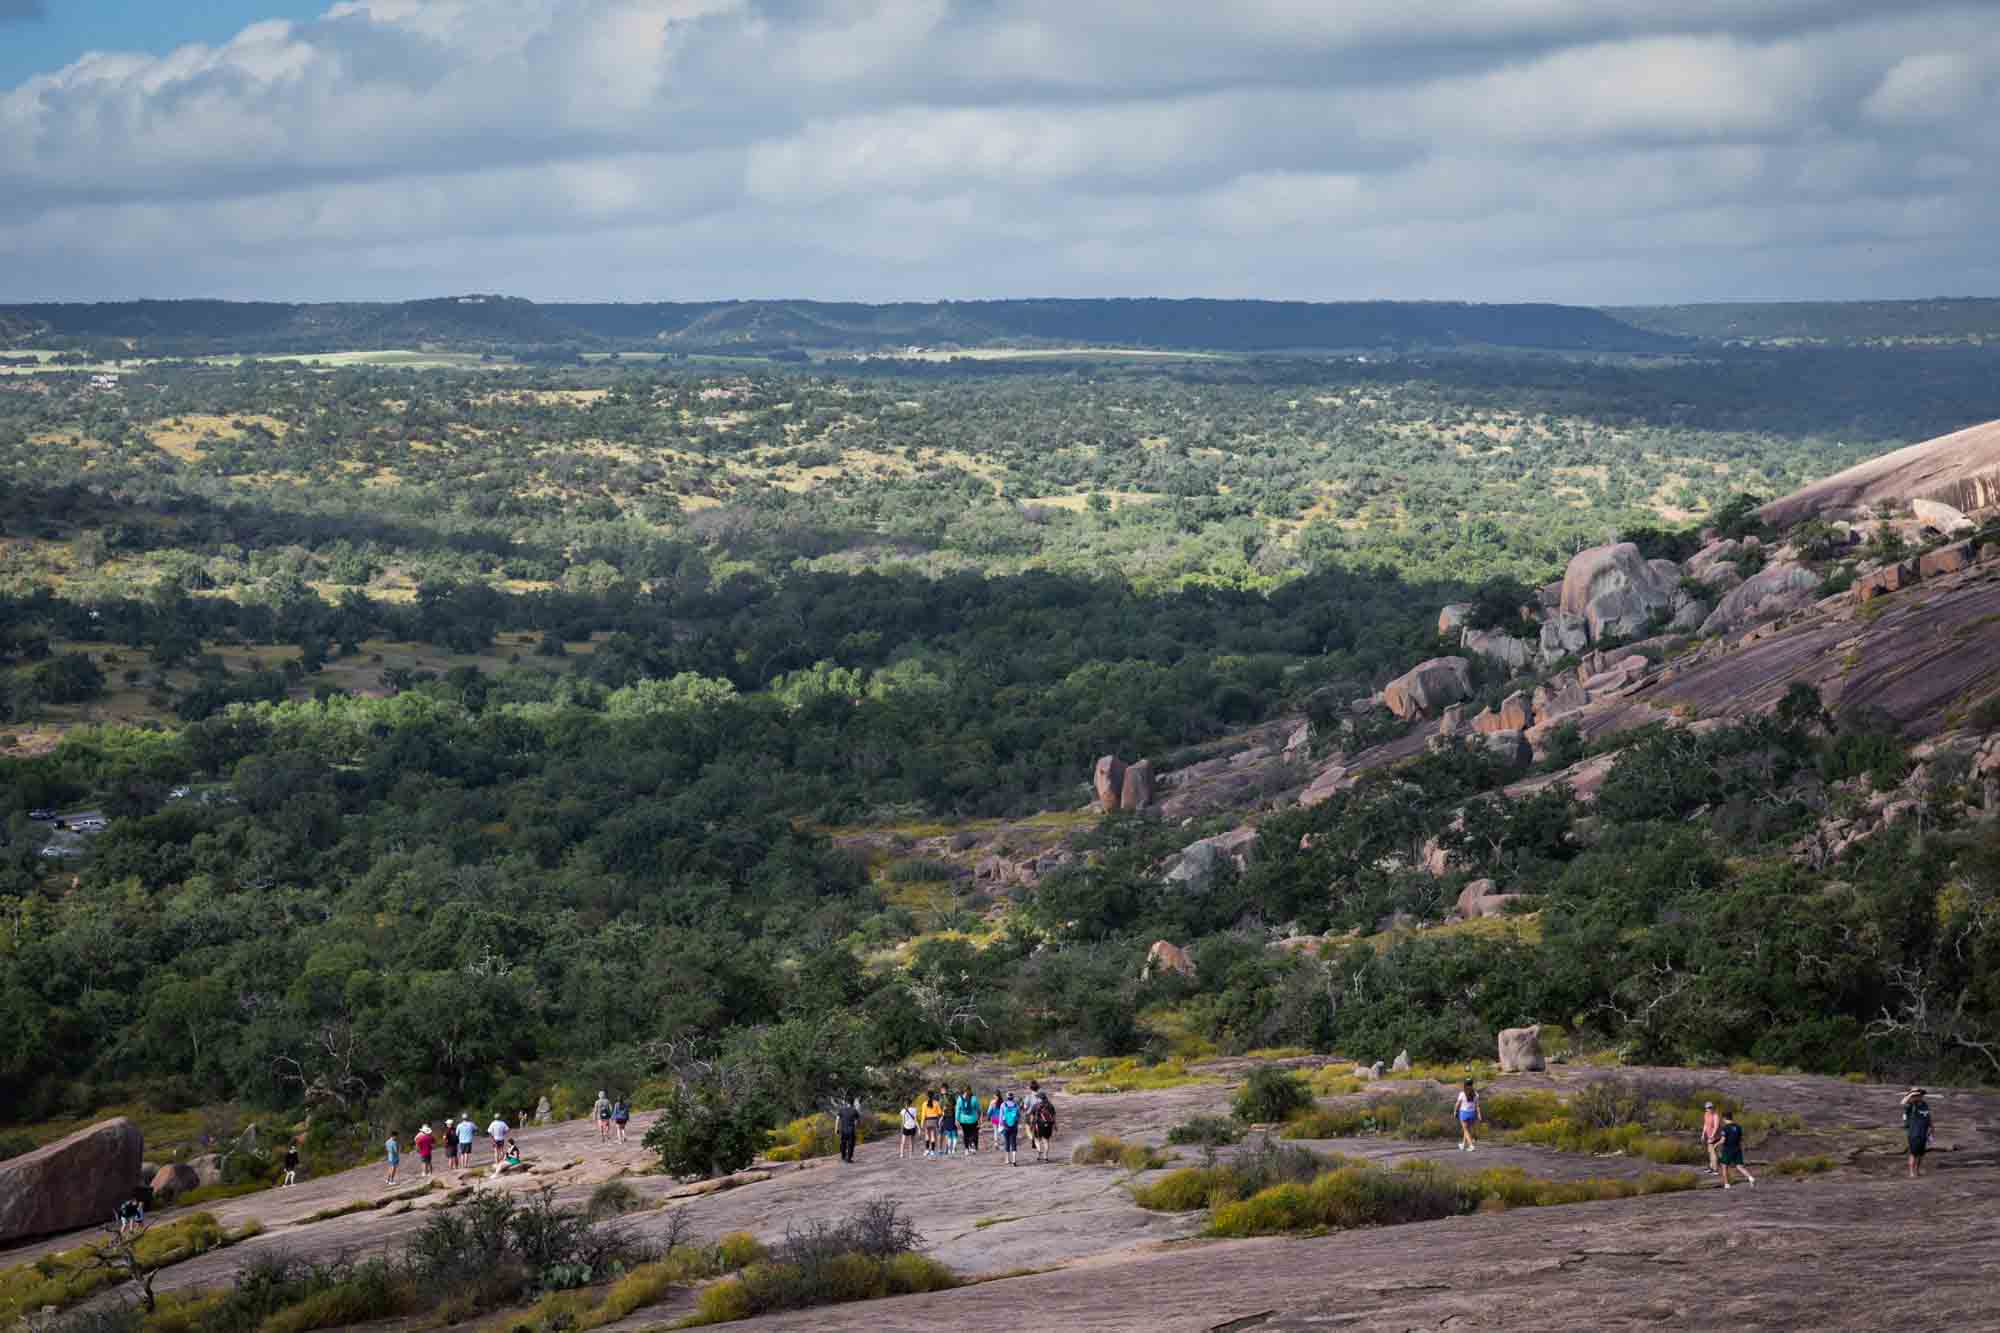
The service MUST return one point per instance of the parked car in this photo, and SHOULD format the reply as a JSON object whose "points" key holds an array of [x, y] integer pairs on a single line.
{"points": [[42, 814], [178, 794]]}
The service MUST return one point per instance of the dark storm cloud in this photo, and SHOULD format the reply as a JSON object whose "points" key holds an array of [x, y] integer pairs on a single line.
{"points": [[1598, 150]]}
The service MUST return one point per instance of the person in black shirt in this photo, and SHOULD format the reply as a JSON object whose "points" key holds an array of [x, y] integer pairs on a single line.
{"points": [[1731, 1153], [1916, 1128], [847, 1120], [291, 1164]]}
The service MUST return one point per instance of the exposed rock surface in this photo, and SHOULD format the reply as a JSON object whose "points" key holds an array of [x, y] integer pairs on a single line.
{"points": [[1109, 780], [1453, 618], [1961, 470], [173, 1180], [1946, 560], [73, 1182], [1166, 956], [1492, 644], [1510, 746], [1771, 591], [1563, 635], [1199, 861], [1521, 1050], [1937, 514], [1614, 589], [1135, 792], [1889, 578], [1428, 687]]}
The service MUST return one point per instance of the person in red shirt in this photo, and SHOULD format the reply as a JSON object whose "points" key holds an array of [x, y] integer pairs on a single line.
{"points": [[425, 1142]]}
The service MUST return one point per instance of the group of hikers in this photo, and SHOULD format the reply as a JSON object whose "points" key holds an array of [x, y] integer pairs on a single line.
{"points": [[459, 1136], [944, 1123]]}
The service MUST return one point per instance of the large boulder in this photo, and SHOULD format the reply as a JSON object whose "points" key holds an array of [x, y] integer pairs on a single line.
{"points": [[1453, 618], [1200, 860], [1109, 780], [74, 1182], [1614, 589], [1136, 791], [1521, 1050], [1325, 783], [1562, 696], [1452, 720], [173, 1180], [1495, 646], [1689, 613], [1469, 896], [1946, 560], [1563, 636], [1889, 578], [207, 1168], [1937, 514], [1166, 956], [1428, 687], [1511, 747], [1771, 591], [1711, 555]]}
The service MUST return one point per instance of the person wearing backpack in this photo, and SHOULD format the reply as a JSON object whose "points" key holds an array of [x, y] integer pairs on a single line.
{"points": [[911, 1121], [1917, 1129], [1041, 1124], [602, 1109], [621, 1115], [968, 1119], [1010, 1128], [1731, 1153]]}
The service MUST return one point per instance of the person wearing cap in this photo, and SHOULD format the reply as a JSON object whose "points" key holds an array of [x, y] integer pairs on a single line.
{"points": [[1917, 1128], [1711, 1133], [451, 1145], [466, 1130], [425, 1141]]}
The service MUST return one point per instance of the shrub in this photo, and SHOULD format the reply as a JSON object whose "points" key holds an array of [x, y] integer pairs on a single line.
{"points": [[868, 1255], [1209, 1131], [1801, 1166], [1405, 1115], [1270, 1095], [920, 870], [739, 1249], [612, 1198], [1105, 1150], [1180, 1191], [707, 1132]]}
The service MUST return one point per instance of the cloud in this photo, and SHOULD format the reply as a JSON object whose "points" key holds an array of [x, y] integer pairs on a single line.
{"points": [[1596, 150]]}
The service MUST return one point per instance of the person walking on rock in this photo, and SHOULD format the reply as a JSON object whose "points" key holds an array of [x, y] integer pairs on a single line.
{"points": [[465, 1133], [933, 1119], [968, 1119], [451, 1145], [1916, 1129], [394, 1151], [847, 1120], [1469, 1114], [911, 1122], [602, 1110], [993, 1126], [1041, 1124], [1711, 1134], [1731, 1153], [1010, 1128], [498, 1131], [424, 1142], [621, 1114], [291, 1164]]}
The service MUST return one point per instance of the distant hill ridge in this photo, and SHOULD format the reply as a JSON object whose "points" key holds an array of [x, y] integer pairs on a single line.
{"points": [[496, 321]]}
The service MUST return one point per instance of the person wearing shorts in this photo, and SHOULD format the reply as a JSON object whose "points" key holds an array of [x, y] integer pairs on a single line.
{"points": [[451, 1145], [621, 1115], [1731, 1153], [603, 1110], [498, 1132], [909, 1146], [394, 1152], [425, 1141], [1468, 1115], [465, 1133], [1916, 1128]]}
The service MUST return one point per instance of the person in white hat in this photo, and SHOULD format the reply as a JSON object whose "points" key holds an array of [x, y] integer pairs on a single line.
{"points": [[1711, 1134]]}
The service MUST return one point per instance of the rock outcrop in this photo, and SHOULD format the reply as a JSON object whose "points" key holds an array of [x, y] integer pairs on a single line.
{"points": [[1428, 687], [1452, 618], [1515, 713], [1889, 578], [74, 1182], [1492, 644], [1109, 781], [1199, 861], [1511, 747], [173, 1180], [1480, 898], [1939, 515], [1961, 470], [1946, 560], [1136, 791], [1166, 956], [1615, 589], [1521, 1050], [1771, 591], [1563, 636]]}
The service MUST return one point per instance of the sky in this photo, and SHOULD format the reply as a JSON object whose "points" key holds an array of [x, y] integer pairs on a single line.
{"points": [[1586, 151]]}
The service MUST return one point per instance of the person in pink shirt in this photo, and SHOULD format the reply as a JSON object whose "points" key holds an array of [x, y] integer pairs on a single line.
{"points": [[1711, 1133], [425, 1141]]}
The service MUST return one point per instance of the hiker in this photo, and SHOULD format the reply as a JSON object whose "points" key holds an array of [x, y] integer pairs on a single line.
{"points": [[968, 1119], [394, 1150], [621, 1112], [933, 1113], [1010, 1128], [847, 1119], [291, 1163], [1041, 1124], [602, 1109], [451, 1145], [513, 1153], [950, 1124], [131, 1216], [423, 1144], [1711, 1134], [993, 1125], [911, 1122], [465, 1133], [1732, 1150], [1468, 1113], [1916, 1128], [497, 1131]]}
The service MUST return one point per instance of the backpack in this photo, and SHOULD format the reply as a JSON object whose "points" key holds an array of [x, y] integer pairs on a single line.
{"points": [[968, 1110], [1042, 1119], [1010, 1114]]}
